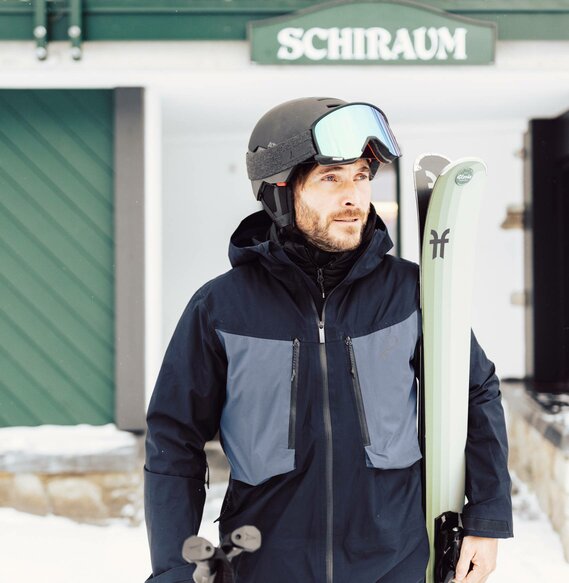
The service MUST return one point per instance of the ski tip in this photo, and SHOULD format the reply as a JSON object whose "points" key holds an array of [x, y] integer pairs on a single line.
{"points": [[421, 158], [472, 162]]}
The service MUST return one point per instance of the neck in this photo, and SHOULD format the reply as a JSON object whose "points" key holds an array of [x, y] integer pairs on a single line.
{"points": [[326, 269]]}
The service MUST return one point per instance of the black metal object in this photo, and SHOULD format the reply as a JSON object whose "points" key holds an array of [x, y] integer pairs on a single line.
{"points": [[546, 193], [448, 542]]}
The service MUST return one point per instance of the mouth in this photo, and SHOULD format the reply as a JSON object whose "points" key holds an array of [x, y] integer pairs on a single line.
{"points": [[350, 220]]}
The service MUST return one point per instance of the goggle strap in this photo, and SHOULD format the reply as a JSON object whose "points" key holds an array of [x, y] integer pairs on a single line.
{"points": [[374, 154], [270, 161]]}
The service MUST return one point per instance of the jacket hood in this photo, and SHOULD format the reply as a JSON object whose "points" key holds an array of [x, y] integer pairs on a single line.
{"points": [[251, 242]]}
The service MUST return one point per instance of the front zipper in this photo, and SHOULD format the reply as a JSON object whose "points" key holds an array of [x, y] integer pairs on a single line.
{"points": [[329, 444], [358, 393], [293, 392], [328, 434]]}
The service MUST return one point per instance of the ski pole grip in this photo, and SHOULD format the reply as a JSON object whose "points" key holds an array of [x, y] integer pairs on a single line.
{"points": [[197, 549], [247, 537]]}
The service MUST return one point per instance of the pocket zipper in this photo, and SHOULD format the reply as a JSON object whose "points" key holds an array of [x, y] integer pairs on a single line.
{"points": [[293, 391], [358, 393]]}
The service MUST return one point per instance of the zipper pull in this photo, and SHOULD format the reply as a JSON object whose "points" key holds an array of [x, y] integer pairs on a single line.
{"points": [[321, 333], [320, 280], [295, 346], [350, 349]]}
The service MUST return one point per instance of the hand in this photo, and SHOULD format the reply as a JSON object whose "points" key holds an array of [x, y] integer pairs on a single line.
{"points": [[482, 553]]}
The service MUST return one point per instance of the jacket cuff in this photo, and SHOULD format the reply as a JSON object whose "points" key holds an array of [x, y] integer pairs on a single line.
{"points": [[173, 507], [486, 527], [183, 574]]}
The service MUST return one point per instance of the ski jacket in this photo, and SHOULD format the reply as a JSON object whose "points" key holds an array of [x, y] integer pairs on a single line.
{"points": [[317, 418]]}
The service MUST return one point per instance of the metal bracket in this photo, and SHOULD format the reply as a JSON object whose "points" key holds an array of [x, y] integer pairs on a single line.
{"points": [[75, 30], [40, 28]]}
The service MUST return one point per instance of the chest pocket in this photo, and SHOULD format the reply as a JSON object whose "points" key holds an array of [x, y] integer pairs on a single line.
{"points": [[258, 421], [383, 381]]}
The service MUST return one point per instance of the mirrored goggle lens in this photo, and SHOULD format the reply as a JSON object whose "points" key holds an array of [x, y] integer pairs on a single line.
{"points": [[344, 132]]}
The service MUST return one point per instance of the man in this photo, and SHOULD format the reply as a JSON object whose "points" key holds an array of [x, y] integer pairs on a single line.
{"points": [[304, 356]]}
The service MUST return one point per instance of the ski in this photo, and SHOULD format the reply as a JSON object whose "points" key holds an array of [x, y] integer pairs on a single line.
{"points": [[449, 219], [213, 564], [427, 168]]}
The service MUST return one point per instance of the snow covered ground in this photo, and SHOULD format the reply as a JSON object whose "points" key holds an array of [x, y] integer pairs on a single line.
{"points": [[57, 550]]}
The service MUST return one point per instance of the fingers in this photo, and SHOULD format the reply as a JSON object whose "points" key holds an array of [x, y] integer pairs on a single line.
{"points": [[476, 576], [481, 553], [472, 574], [463, 566]]}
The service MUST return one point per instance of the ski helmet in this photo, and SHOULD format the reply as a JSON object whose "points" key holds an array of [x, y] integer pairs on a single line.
{"points": [[323, 130]]}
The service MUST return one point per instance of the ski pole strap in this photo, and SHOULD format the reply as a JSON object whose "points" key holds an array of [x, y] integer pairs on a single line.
{"points": [[222, 567]]}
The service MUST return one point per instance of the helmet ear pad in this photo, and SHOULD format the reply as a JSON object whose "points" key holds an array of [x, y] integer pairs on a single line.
{"points": [[278, 203]]}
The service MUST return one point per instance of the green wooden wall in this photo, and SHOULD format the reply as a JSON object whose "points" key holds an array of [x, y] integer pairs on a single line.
{"points": [[227, 19], [56, 257]]}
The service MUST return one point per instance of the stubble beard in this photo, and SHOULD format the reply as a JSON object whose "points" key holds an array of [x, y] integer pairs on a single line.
{"points": [[319, 233]]}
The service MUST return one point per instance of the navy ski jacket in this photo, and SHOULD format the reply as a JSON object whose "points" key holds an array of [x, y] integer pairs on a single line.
{"points": [[317, 417]]}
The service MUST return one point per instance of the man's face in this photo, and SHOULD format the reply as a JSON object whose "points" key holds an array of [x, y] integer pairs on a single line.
{"points": [[332, 205]]}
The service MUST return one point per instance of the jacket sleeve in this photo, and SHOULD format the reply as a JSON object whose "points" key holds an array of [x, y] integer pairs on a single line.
{"points": [[183, 414], [488, 512]]}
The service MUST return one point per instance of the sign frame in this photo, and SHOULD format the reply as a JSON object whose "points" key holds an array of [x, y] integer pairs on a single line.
{"points": [[370, 45]]}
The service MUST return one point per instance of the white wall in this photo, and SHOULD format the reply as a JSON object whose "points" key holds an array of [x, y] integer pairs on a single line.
{"points": [[498, 325], [206, 194]]}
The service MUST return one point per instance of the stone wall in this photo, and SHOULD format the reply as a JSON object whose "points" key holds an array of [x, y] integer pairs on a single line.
{"points": [[94, 497], [88, 474], [539, 454]]}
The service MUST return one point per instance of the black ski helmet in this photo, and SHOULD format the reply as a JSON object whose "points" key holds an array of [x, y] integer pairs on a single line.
{"points": [[280, 141]]}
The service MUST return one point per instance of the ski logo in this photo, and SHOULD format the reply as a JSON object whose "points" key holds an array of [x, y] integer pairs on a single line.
{"points": [[436, 241], [432, 177], [464, 176]]}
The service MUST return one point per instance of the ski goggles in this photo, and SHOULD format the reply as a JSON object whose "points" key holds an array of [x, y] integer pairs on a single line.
{"points": [[343, 134], [338, 137]]}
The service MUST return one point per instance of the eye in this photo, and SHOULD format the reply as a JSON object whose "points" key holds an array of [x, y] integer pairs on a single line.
{"points": [[329, 177], [363, 176]]}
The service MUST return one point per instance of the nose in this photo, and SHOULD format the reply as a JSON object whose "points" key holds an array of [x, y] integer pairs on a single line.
{"points": [[351, 195]]}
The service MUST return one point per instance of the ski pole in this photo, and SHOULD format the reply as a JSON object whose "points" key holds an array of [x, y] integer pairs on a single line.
{"points": [[213, 563]]}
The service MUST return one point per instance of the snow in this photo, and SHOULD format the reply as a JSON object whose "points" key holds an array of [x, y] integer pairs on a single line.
{"points": [[57, 449], [58, 550], [76, 440], [535, 553]]}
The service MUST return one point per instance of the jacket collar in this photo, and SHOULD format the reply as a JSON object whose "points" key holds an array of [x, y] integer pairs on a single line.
{"points": [[251, 242]]}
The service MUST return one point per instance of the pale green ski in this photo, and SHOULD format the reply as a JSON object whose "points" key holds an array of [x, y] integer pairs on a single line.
{"points": [[447, 278]]}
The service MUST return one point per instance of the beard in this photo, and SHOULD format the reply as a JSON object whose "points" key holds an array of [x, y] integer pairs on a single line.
{"points": [[327, 235]]}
